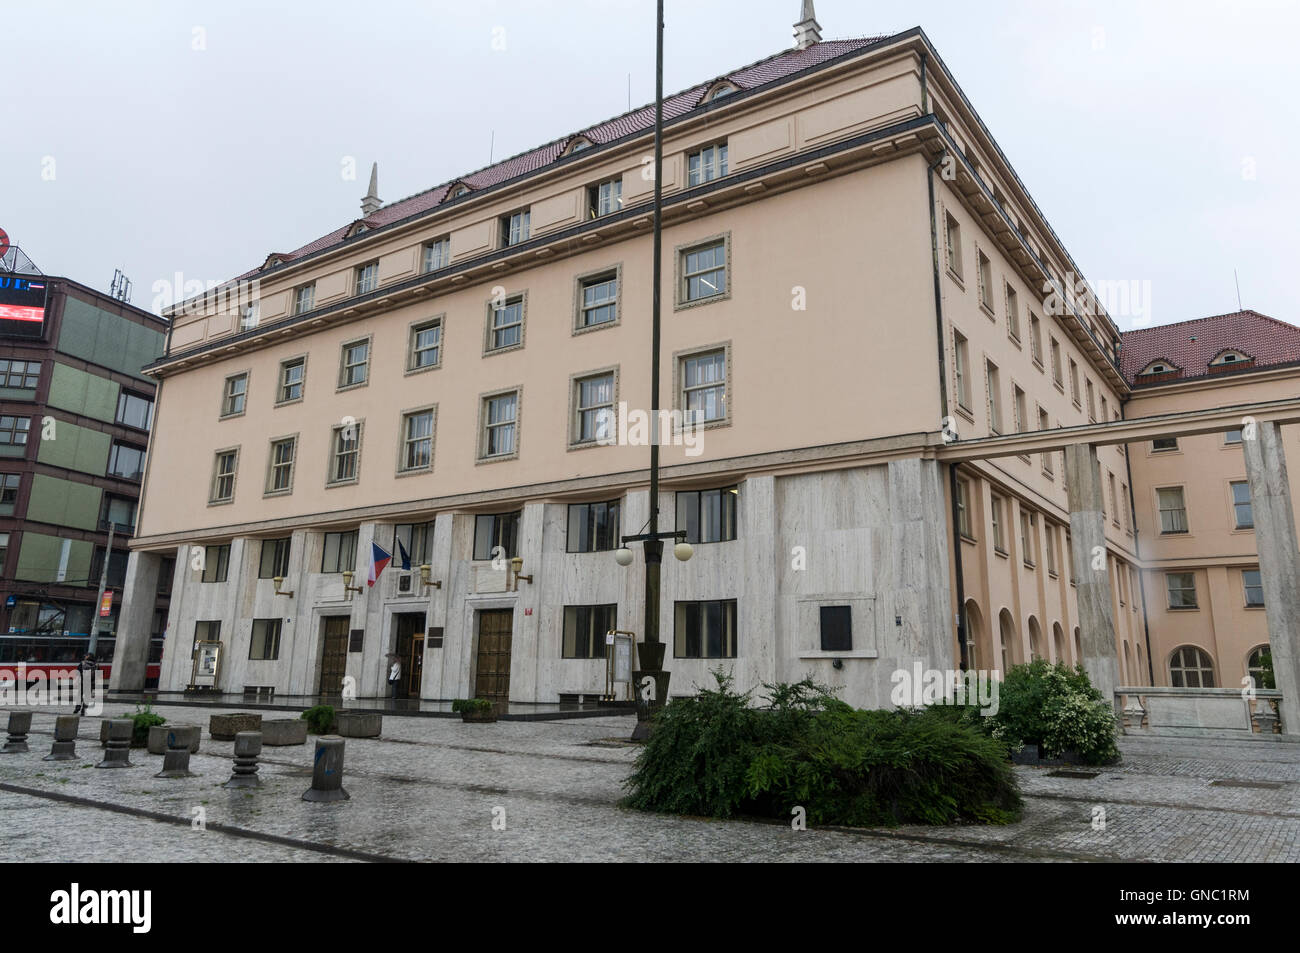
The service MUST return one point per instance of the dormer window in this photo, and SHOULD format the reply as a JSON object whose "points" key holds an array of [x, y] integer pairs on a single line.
{"points": [[577, 144], [1159, 366], [1229, 357], [719, 90], [457, 189]]}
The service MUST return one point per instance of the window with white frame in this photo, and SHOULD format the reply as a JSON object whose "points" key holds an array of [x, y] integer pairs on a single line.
{"points": [[1191, 667], [345, 453], [500, 415], [704, 387], [1241, 507], [280, 479], [593, 401], [425, 345], [1013, 304], [223, 476], [706, 165], [304, 298], [354, 363], [704, 271], [506, 328], [605, 198], [1056, 361], [952, 233], [1173, 510], [292, 376], [599, 300], [437, 254], [417, 440], [234, 395], [984, 272], [1036, 339], [992, 383], [515, 227], [995, 523], [1181, 588], [367, 277], [1253, 585], [961, 363]]}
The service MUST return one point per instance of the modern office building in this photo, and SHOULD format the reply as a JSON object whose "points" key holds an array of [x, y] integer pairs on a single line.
{"points": [[75, 417], [885, 409]]}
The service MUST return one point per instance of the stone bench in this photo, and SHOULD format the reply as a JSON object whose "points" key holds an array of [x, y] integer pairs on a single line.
{"points": [[356, 724], [158, 738], [279, 732], [225, 727]]}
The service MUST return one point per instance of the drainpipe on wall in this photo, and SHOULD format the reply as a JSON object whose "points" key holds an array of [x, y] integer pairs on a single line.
{"points": [[943, 400]]}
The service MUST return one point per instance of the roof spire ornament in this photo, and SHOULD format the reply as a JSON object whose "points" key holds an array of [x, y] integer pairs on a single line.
{"points": [[807, 31], [371, 203]]}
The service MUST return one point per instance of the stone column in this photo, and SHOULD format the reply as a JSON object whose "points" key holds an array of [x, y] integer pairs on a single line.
{"points": [[135, 622], [1088, 545], [1275, 535]]}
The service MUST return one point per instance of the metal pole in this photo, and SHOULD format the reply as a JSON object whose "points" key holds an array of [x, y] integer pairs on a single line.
{"points": [[654, 548], [103, 583]]}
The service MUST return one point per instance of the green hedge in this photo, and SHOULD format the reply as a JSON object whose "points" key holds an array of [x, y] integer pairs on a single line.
{"points": [[1057, 707], [716, 755]]}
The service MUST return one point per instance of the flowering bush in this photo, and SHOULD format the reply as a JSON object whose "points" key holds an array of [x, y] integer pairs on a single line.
{"points": [[1056, 707]]}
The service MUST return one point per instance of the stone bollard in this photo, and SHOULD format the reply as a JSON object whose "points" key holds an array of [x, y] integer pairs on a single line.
{"points": [[248, 745], [181, 740], [65, 739], [118, 748], [327, 771], [20, 722]]}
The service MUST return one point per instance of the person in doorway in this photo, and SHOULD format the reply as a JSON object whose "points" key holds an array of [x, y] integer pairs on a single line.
{"points": [[86, 677], [394, 674]]}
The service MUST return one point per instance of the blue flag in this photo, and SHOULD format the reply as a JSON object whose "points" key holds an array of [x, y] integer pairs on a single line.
{"points": [[402, 554]]}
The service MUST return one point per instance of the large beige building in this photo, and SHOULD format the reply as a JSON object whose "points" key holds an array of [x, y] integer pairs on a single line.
{"points": [[853, 288]]}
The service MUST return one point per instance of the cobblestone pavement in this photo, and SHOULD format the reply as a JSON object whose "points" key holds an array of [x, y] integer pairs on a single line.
{"points": [[430, 789]]}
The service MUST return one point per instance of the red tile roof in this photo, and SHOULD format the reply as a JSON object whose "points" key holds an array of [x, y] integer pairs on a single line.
{"points": [[769, 70], [1191, 345]]}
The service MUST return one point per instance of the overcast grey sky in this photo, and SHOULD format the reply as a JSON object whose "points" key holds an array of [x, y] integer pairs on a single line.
{"points": [[1160, 139]]}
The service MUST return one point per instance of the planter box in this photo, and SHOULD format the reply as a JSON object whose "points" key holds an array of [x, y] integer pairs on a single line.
{"points": [[158, 738], [483, 717], [355, 724], [278, 732], [225, 727]]}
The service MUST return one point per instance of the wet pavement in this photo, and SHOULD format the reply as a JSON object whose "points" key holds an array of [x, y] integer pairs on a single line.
{"points": [[433, 789]]}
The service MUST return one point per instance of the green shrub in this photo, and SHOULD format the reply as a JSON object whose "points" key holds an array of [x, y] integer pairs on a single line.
{"points": [[143, 719], [471, 705], [320, 718], [715, 755], [1056, 707]]}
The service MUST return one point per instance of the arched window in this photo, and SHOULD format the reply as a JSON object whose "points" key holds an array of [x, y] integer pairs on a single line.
{"points": [[1007, 632], [1078, 646], [1255, 667], [721, 90], [1127, 674], [1035, 640], [1191, 667], [1058, 643]]}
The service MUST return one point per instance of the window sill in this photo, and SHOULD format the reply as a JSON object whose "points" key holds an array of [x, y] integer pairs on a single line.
{"points": [[1253, 608], [221, 502], [286, 403], [417, 471], [680, 304], [1059, 386], [1054, 574], [498, 458], [1001, 552], [270, 493], [600, 326], [587, 445], [988, 312], [955, 276], [1038, 363], [490, 352], [1183, 608], [965, 538], [352, 482], [966, 412], [231, 416], [420, 370], [341, 388], [1015, 340]]}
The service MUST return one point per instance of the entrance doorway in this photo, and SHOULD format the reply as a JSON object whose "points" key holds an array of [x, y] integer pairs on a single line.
{"points": [[492, 675], [410, 649], [334, 654]]}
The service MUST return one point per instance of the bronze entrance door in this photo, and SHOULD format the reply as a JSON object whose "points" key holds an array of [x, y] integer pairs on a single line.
{"points": [[410, 649], [334, 654], [492, 675]]}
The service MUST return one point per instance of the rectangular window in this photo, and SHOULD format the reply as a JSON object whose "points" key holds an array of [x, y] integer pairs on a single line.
{"points": [[1232, 436], [20, 374], [119, 511], [1028, 538], [500, 414], [4, 550], [265, 644], [1114, 503], [704, 629], [961, 361], [223, 477], [593, 527], [1018, 405], [1173, 513], [992, 384], [292, 377], [367, 277], [985, 274], [514, 228], [1044, 424], [216, 563], [207, 631], [999, 543], [496, 535], [507, 324], [345, 454], [1074, 383], [1056, 361], [708, 516], [1182, 589], [963, 509], [234, 395], [274, 560], [706, 165], [953, 234], [425, 348], [280, 479], [251, 315], [704, 387], [126, 462], [836, 628], [417, 539], [417, 441], [1161, 444], [1092, 404], [606, 198], [339, 552], [354, 363], [9, 483], [14, 430], [304, 298], [1013, 304], [1124, 505], [599, 303], [704, 271], [134, 410], [585, 628], [1253, 583], [437, 254], [1241, 505], [1050, 529], [1036, 339], [593, 402]]}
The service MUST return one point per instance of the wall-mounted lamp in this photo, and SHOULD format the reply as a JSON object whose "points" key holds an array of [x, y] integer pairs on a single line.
{"points": [[516, 567], [279, 581], [348, 588], [424, 577]]}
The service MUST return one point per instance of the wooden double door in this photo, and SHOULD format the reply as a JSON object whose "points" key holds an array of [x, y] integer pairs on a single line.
{"points": [[492, 673], [410, 649], [334, 654]]}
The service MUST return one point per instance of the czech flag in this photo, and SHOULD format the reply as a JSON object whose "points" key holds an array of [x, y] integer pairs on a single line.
{"points": [[403, 557], [379, 560]]}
